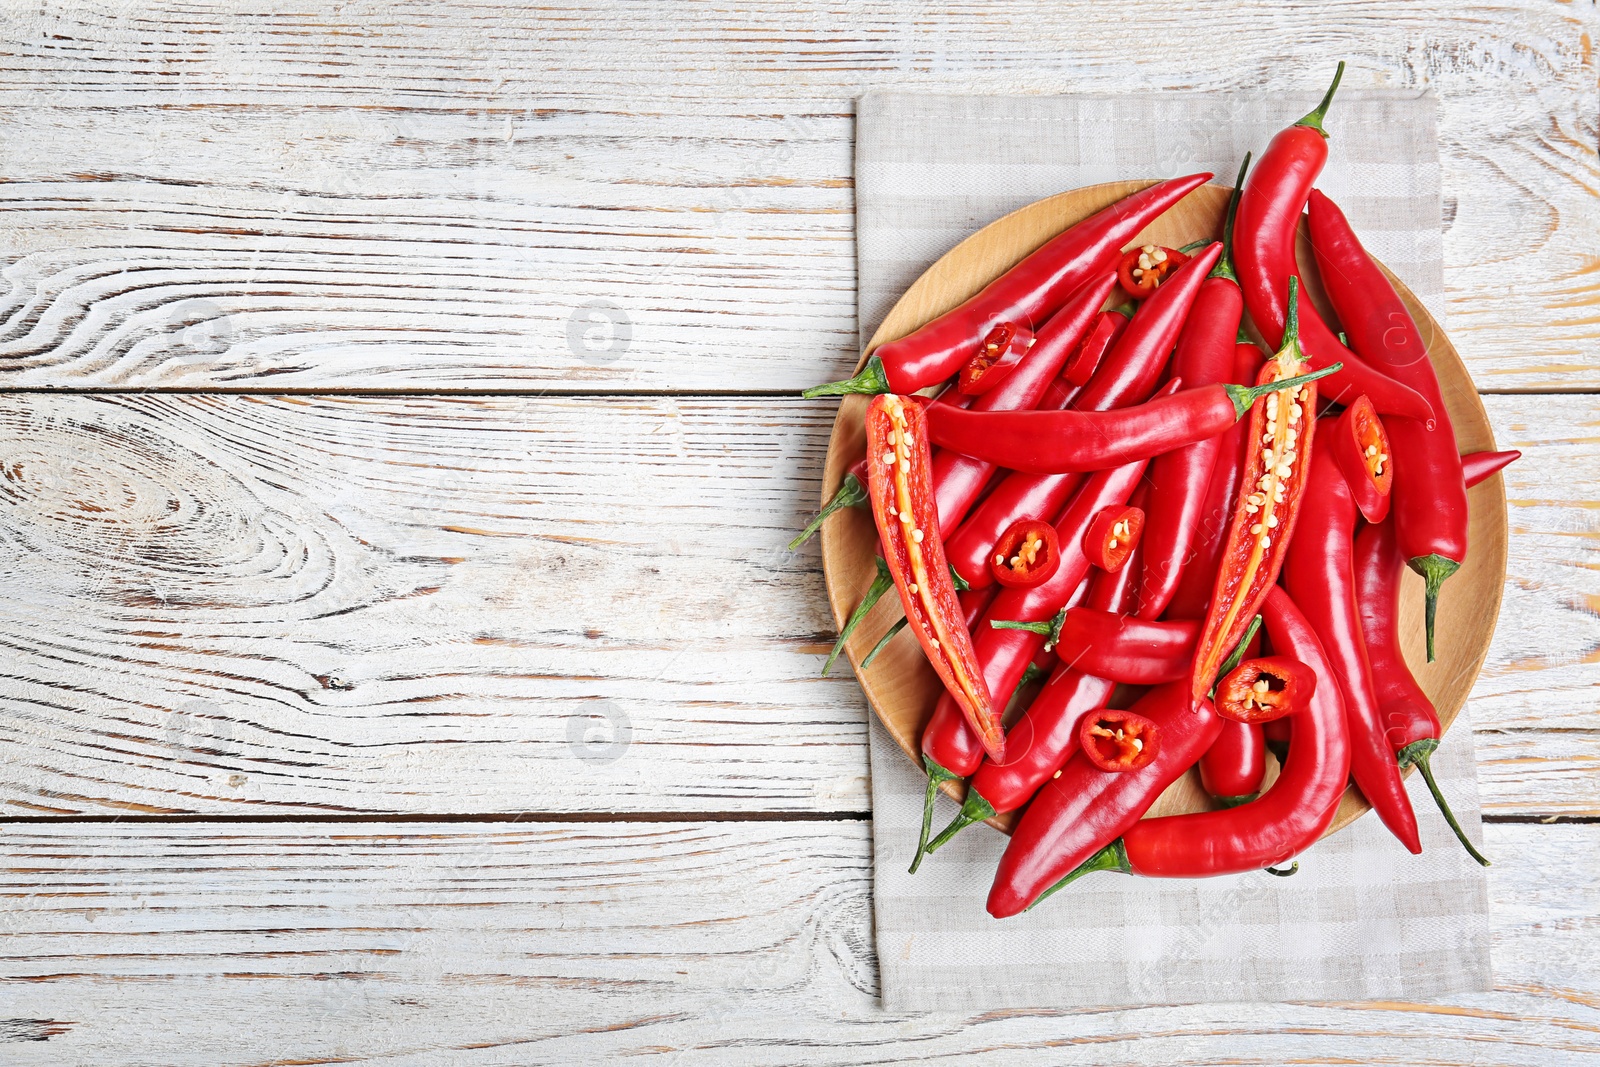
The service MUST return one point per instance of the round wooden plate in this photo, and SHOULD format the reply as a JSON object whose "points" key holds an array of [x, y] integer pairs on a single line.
{"points": [[902, 687]]}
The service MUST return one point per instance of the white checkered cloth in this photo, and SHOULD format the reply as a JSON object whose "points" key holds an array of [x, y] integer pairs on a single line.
{"points": [[1363, 919]]}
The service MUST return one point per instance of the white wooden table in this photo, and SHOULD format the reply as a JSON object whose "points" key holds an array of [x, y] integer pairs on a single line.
{"points": [[402, 665]]}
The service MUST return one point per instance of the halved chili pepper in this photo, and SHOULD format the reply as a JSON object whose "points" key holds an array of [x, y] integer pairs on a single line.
{"points": [[1124, 649], [1285, 820], [1361, 449], [1145, 267], [1410, 722], [1118, 741], [1128, 375], [1028, 293], [1026, 555], [899, 481], [997, 357], [1085, 359], [1318, 575], [1233, 767], [1079, 812], [1112, 537], [1266, 688], [1430, 493], [1269, 211], [1279, 442]]}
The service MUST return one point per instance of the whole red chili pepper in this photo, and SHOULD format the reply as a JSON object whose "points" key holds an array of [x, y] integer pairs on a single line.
{"points": [[900, 484], [1287, 819], [1118, 741], [1269, 212], [1233, 767], [1081, 811], [1128, 375], [1360, 447], [1046, 442], [1197, 569], [1279, 442], [1430, 493], [1319, 577], [1180, 478], [1410, 722], [1130, 650], [1027, 293], [1266, 688], [1144, 268], [1477, 466], [1026, 555], [1113, 536]]}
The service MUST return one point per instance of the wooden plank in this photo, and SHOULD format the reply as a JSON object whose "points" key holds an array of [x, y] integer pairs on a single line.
{"points": [[608, 198], [738, 944], [498, 604]]}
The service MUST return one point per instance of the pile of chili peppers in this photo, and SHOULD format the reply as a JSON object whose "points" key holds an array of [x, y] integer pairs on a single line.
{"points": [[1197, 544]]}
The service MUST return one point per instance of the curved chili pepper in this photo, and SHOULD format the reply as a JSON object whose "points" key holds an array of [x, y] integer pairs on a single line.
{"points": [[1266, 688], [1411, 724], [1287, 819], [1118, 741], [1430, 493], [1269, 210], [1279, 442], [1128, 375], [1319, 577], [1477, 466], [1233, 767], [1360, 447], [1085, 359], [1026, 555], [1081, 811], [1143, 269], [1027, 293], [1130, 650], [900, 483], [1047, 442], [1112, 537], [1197, 570], [997, 357]]}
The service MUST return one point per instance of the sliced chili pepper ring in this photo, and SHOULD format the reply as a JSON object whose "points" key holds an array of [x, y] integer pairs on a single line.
{"points": [[1264, 689], [997, 357], [1118, 740], [1026, 555], [1112, 537], [1360, 445], [1145, 267]]}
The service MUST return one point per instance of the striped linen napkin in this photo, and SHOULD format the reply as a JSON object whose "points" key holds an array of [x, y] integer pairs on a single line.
{"points": [[1363, 919]]}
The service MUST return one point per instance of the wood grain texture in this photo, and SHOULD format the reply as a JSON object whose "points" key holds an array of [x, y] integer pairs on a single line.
{"points": [[471, 605], [474, 195], [732, 944]]}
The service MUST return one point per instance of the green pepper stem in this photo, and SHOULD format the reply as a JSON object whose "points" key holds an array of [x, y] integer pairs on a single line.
{"points": [[871, 379], [1434, 570], [1194, 246], [937, 776], [961, 584], [1243, 396], [1294, 868], [1320, 112], [1420, 753], [1126, 309], [1236, 802], [850, 494], [1114, 857], [973, 809], [1051, 630], [1291, 319], [1237, 655], [1224, 267], [880, 585], [883, 642]]}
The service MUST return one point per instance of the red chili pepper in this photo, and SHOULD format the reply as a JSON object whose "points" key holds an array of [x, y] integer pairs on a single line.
{"points": [[899, 481], [1144, 268], [1266, 688], [997, 357], [1112, 537], [1430, 493], [1287, 819], [1085, 359], [1233, 767], [1084, 809], [1269, 212], [1197, 571], [1360, 448], [1118, 741], [1319, 577], [1127, 376], [1279, 444], [1026, 555], [1027, 293], [1130, 650], [1477, 466], [1411, 724]]}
